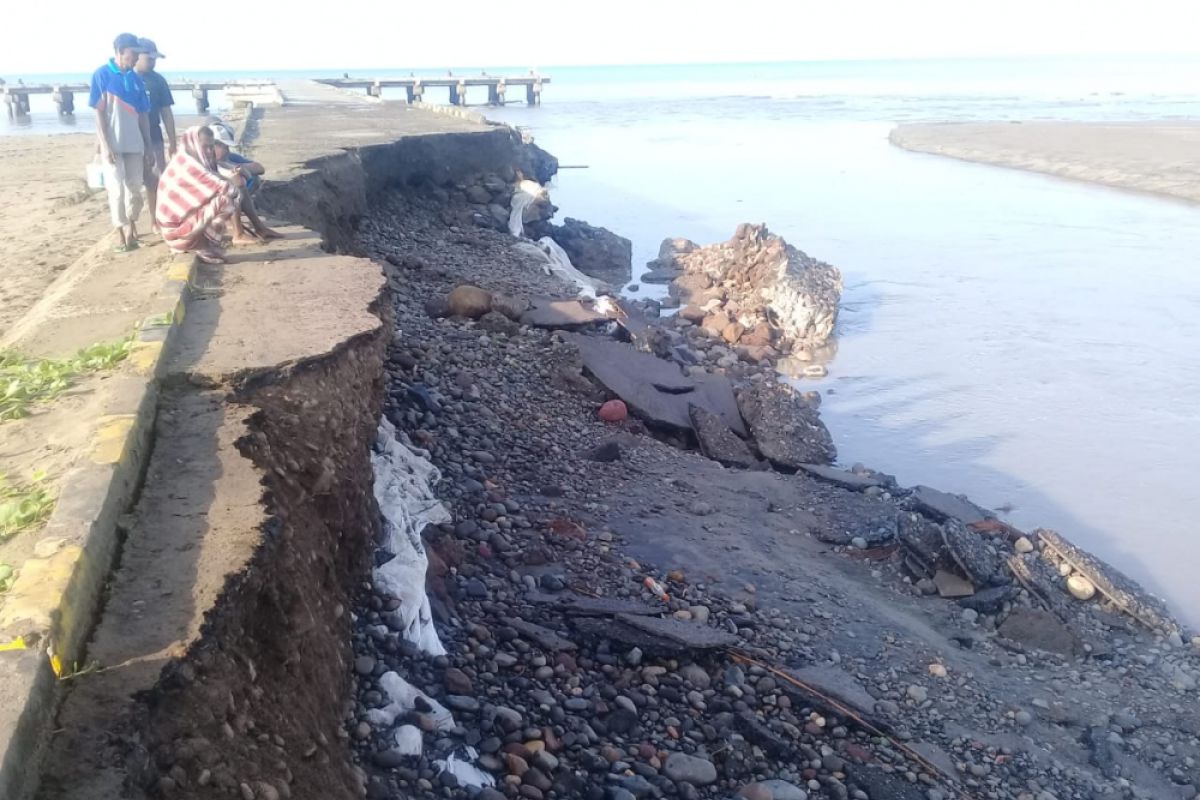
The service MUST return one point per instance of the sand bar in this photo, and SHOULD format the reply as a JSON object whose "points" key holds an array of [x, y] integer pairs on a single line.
{"points": [[1158, 157]]}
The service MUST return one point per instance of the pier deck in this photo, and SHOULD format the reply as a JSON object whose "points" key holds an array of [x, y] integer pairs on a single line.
{"points": [[15, 96]]}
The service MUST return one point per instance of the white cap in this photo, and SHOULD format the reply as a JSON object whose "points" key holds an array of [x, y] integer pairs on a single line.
{"points": [[222, 134]]}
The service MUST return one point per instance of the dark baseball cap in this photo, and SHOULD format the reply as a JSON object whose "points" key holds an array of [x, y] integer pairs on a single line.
{"points": [[124, 41], [148, 47]]}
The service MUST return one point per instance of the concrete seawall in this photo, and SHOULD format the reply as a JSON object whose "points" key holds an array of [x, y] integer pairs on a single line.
{"points": [[226, 615]]}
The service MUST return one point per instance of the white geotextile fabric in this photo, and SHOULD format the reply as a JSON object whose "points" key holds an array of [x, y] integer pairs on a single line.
{"points": [[408, 740], [404, 490], [465, 770], [527, 193], [402, 698], [555, 260]]}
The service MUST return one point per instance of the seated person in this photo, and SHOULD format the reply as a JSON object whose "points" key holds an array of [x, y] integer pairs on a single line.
{"points": [[250, 170], [194, 200]]}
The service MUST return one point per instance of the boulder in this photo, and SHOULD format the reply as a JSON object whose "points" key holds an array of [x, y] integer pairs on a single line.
{"points": [[1040, 630], [594, 251], [666, 268], [718, 442], [769, 281], [495, 322], [510, 306], [469, 301], [479, 195], [437, 307], [787, 429]]}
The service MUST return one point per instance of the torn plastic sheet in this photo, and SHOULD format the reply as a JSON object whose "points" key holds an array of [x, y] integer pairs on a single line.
{"points": [[408, 740], [403, 487], [555, 261], [528, 192], [402, 698], [465, 770], [560, 265]]}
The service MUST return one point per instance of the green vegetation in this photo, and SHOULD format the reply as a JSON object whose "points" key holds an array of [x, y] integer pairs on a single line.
{"points": [[23, 506], [24, 381], [7, 576]]}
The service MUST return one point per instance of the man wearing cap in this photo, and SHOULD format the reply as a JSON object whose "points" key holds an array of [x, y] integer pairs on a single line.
{"points": [[123, 130], [158, 91]]}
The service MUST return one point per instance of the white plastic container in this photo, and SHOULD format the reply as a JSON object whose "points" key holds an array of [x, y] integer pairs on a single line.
{"points": [[95, 174]]}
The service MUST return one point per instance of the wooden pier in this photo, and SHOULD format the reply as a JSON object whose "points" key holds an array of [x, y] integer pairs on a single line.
{"points": [[497, 86], [16, 95]]}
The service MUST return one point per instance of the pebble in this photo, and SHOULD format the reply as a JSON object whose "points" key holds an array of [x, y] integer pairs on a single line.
{"points": [[457, 682], [755, 791], [690, 769], [460, 702], [364, 665], [917, 694], [937, 670], [782, 790], [1023, 545], [1023, 717], [1080, 587]]}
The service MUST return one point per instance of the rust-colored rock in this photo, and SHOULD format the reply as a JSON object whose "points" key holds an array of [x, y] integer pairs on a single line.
{"points": [[614, 411], [732, 332]]}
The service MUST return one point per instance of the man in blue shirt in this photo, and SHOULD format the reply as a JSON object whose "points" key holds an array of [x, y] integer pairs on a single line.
{"points": [[122, 127]]}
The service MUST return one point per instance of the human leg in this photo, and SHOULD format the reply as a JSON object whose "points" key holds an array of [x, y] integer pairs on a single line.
{"points": [[114, 186], [152, 176], [134, 179], [260, 227]]}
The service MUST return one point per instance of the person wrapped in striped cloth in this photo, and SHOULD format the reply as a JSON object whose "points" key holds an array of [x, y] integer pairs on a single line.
{"points": [[194, 201]]}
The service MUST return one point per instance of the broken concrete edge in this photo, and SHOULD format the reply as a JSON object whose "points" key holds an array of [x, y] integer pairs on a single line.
{"points": [[54, 603], [455, 111]]}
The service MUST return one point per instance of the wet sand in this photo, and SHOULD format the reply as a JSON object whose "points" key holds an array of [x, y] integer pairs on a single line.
{"points": [[1158, 157]]}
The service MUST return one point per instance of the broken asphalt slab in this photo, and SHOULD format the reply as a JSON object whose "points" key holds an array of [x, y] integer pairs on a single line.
{"points": [[843, 478], [654, 389], [545, 312], [942, 506]]}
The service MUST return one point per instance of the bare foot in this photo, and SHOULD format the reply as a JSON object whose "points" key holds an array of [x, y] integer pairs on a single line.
{"points": [[210, 257], [245, 239], [268, 233]]}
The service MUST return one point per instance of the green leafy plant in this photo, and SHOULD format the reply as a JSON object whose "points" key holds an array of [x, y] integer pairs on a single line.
{"points": [[25, 381], [8, 576], [23, 506]]}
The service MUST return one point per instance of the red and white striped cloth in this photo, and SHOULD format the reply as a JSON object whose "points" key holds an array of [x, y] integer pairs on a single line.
{"points": [[194, 201]]}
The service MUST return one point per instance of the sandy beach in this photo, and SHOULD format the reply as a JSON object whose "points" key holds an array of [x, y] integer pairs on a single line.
{"points": [[1158, 157]]}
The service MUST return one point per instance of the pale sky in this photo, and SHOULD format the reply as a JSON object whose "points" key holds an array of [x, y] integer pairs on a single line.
{"points": [[76, 35]]}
